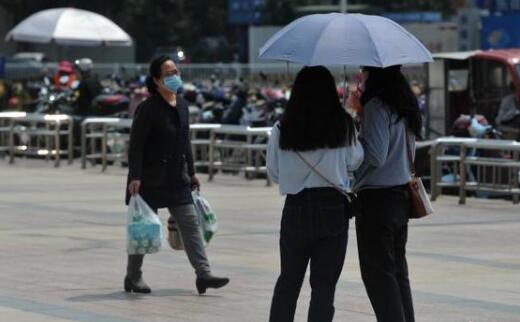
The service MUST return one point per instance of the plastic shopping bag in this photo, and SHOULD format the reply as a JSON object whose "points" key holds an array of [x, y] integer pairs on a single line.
{"points": [[207, 218], [144, 229], [174, 234]]}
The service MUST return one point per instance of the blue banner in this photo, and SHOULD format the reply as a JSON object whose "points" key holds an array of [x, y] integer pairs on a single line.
{"points": [[411, 17], [245, 12], [501, 31], [499, 5]]}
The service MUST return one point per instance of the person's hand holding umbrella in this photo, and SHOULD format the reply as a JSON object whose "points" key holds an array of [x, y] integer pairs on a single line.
{"points": [[354, 100]]}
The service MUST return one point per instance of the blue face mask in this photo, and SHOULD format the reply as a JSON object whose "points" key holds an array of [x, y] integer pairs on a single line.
{"points": [[173, 83]]}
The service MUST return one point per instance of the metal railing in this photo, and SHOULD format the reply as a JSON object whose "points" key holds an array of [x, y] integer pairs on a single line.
{"points": [[38, 135], [238, 149], [200, 135], [215, 147], [6, 127], [476, 165], [95, 136]]}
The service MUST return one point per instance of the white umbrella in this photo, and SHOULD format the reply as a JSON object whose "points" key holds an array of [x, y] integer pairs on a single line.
{"points": [[345, 39], [69, 26]]}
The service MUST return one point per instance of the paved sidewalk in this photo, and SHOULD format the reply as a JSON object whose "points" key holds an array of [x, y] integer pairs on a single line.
{"points": [[62, 233]]}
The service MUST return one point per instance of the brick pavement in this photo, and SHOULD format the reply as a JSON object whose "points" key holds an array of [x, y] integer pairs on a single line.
{"points": [[63, 240]]}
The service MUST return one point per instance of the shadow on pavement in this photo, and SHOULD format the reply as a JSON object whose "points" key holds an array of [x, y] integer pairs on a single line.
{"points": [[133, 296]]}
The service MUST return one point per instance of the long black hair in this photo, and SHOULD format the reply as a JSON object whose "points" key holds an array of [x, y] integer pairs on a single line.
{"points": [[391, 87], [314, 117], [155, 72]]}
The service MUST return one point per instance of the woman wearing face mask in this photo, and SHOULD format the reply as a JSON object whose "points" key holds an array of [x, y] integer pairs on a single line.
{"points": [[161, 170]]}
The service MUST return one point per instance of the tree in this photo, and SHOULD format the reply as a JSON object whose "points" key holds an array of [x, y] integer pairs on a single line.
{"points": [[278, 12], [445, 6], [281, 12]]}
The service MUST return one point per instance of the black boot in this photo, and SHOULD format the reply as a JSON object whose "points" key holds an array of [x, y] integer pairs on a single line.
{"points": [[136, 286], [210, 281], [134, 277]]}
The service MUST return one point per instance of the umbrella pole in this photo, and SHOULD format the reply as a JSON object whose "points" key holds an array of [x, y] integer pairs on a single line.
{"points": [[344, 85], [287, 72], [343, 6]]}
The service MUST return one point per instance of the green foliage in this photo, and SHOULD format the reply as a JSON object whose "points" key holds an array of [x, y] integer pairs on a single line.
{"points": [[445, 6]]}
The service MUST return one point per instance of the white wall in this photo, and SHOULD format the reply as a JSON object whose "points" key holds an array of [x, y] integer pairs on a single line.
{"points": [[257, 37], [437, 37]]}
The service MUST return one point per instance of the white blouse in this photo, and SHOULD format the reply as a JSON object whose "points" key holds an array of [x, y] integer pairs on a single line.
{"points": [[293, 175]]}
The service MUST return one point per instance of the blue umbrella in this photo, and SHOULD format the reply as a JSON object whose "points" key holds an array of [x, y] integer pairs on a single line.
{"points": [[345, 39]]}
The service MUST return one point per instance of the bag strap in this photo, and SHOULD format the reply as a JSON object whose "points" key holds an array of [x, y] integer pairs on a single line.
{"points": [[411, 164], [333, 185]]}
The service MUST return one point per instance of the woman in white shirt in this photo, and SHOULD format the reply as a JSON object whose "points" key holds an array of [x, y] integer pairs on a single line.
{"points": [[315, 131]]}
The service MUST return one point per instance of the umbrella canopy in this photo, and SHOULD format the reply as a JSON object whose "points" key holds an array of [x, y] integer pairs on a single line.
{"points": [[69, 26], [345, 39]]}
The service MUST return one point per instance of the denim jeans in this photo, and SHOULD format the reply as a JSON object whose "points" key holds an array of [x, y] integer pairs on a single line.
{"points": [[314, 229], [382, 231]]}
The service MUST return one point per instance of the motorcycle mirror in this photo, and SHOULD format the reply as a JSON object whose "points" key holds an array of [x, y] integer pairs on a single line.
{"points": [[64, 79]]}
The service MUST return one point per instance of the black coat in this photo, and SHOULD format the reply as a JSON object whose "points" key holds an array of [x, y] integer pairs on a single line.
{"points": [[89, 88], [160, 153]]}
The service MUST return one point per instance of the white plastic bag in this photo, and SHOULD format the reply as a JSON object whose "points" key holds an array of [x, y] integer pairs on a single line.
{"points": [[144, 229], [207, 218]]}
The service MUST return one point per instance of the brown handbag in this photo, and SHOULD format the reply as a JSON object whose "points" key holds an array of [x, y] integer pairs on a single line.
{"points": [[419, 199]]}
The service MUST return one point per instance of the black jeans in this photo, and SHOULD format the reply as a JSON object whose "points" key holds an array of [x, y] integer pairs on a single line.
{"points": [[314, 228], [382, 231]]}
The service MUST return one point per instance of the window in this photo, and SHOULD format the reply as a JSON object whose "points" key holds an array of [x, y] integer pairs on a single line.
{"points": [[491, 79], [458, 80]]}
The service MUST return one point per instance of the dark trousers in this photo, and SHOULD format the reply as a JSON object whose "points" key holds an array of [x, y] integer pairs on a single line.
{"points": [[314, 229], [382, 231]]}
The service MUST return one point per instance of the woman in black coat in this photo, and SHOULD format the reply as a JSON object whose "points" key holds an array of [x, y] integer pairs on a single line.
{"points": [[161, 170]]}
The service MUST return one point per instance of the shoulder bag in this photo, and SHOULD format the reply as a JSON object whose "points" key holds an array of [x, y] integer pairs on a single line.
{"points": [[352, 205]]}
